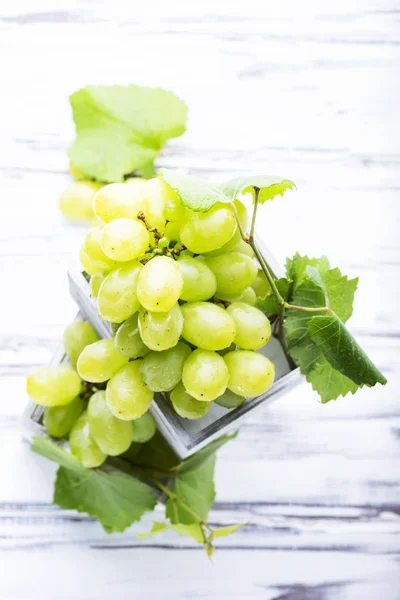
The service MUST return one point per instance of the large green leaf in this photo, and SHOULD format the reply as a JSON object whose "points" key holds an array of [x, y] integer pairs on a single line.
{"points": [[115, 499], [269, 187], [121, 129], [342, 351]]}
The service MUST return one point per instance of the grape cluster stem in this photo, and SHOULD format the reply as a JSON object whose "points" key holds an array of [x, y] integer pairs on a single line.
{"points": [[249, 239]]}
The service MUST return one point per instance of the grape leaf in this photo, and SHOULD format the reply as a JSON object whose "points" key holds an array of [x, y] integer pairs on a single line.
{"points": [[227, 530], [296, 267], [121, 129], [269, 187], [115, 499], [329, 383], [197, 491], [342, 351], [197, 194], [158, 527], [194, 530], [340, 291]]}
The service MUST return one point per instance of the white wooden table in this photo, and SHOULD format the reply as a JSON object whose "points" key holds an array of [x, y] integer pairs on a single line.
{"points": [[308, 90]]}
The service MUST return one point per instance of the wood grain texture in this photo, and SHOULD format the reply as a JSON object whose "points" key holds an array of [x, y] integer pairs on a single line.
{"points": [[307, 90]]}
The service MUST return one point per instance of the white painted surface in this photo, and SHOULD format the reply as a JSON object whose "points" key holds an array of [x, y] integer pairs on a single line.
{"points": [[308, 90]]}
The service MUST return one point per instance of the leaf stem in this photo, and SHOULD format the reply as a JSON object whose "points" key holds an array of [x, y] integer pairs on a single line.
{"points": [[267, 271], [175, 498], [254, 216]]}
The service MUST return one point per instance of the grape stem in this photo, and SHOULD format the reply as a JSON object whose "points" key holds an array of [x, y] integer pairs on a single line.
{"points": [[157, 234], [249, 239]]}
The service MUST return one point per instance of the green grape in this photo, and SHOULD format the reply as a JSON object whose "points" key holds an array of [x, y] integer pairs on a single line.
{"points": [[174, 210], [127, 396], [76, 172], [157, 193], [143, 428], [53, 386], [199, 282], [161, 371], [163, 243], [117, 299], [186, 254], [119, 200], [248, 296], [260, 285], [124, 239], [88, 265], [250, 373], [228, 247], [253, 329], [234, 272], [243, 248], [58, 420], [204, 232], [128, 340], [83, 446], [207, 325], [186, 406], [160, 331], [95, 282], [92, 245], [112, 435], [136, 181], [100, 361], [76, 201], [230, 400], [160, 284], [205, 375], [242, 213], [77, 336], [172, 231]]}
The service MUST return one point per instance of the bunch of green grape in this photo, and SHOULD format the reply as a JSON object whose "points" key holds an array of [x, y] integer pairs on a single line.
{"points": [[179, 289], [79, 410]]}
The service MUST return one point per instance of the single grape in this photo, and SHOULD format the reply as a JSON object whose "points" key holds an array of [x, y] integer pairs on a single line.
{"points": [[228, 247], [113, 327], [127, 396], [260, 285], [100, 361], [128, 340], [234, 272], [58, 420], [253, 329], [160, 284], [143, 428], [248, 296], [161, 371], [76, 201], [77, 336], [119, 200], [53, 386], [250, 373], [242, 212], [172, 231], [95, 282], [243, 248], [76, 172], [186, 406], [136, 181], [88, 265], [93, 250], [205, 375], [160, 331], [157, 194], [174, 210], [83, 446], [230, 400], [124, 239], [112, 435], [117, 299], [163, 243], [204, 232], [207, 325], [199, 282]]}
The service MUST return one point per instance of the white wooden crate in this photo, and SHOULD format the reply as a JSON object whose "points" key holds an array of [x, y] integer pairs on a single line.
{"points": [[187, 436]]}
